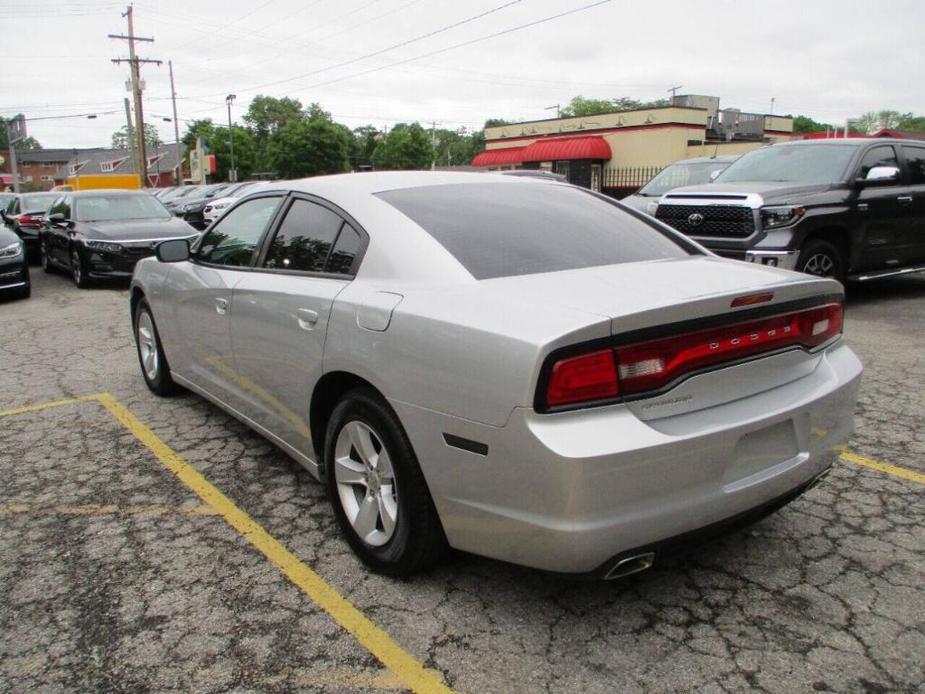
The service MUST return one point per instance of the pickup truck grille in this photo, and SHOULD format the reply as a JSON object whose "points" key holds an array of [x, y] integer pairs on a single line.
{"points": [[722, 221]]}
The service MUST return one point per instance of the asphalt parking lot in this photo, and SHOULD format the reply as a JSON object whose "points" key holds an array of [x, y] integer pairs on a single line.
{"points": [[159, 545]]}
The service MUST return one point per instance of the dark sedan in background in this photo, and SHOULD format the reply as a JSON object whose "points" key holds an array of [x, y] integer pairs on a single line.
{"points": [[23, 215], [14, 269], [101, 234]]}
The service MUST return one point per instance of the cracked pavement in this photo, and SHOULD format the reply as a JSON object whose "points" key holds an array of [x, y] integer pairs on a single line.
{"points": [[116, 577]]}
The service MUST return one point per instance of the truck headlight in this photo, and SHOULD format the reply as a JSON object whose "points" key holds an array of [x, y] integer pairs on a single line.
{"points": [[104, 246], [785, 215], [14, 250]]}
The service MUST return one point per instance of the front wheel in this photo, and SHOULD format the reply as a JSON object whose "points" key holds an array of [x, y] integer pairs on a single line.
{"points": [[151, 357], [376, 487], [45, 256], [822, 259], [79, 269]]}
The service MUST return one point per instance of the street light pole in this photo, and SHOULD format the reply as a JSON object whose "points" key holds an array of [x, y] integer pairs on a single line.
{"points": [[232, 173]]}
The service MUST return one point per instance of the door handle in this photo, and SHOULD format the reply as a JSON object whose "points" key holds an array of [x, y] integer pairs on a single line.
{"points": [[904, 200], [221, 306], [307, 318]]}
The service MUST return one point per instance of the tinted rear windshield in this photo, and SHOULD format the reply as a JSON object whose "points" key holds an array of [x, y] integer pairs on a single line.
{"points": [[500, 230]]}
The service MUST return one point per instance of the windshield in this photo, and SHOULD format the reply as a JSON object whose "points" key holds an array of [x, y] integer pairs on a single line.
{"points": [[34, 203], [681, 174], [112, 208], [790, 164]]}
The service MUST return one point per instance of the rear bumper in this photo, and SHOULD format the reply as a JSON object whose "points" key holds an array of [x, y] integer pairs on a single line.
{"points": [[575, 491]]}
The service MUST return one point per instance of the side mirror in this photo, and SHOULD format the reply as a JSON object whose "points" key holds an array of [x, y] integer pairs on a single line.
{"points": [[880, 175], [58, 219], [173, 251]]}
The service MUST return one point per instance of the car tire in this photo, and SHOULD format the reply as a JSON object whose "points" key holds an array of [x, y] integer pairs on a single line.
{"points": [[45, 258], [151, 359], [822, 259], [79, 269], [382, 504]]}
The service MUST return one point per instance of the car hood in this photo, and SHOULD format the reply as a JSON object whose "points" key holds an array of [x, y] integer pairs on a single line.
{"points": [[7, 237], [139, 230], [639, 202], [771, 193]]}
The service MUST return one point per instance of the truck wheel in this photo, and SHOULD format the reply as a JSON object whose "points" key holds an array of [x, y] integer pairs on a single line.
{"points": [[822, 259]]}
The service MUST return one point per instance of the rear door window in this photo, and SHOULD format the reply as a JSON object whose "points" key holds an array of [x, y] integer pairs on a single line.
{"points": [[304, 239], [500, 230]]}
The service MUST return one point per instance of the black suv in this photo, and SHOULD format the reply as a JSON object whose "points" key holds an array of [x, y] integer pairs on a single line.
{"points": [[851, 209]]}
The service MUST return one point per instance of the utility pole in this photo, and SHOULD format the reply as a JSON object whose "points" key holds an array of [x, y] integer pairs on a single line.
{"points": [[558, 108], [176, 126], [130, 134], [134, 63], [232, 173], [674, 92], [14, 167]]}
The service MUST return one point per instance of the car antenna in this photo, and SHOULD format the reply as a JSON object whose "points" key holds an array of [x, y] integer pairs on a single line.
{"points": [[715, 150]]}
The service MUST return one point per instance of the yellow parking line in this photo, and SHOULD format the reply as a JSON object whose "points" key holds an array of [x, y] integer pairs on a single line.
{"points": [[46, 405], [894, 470], [410, 671]]}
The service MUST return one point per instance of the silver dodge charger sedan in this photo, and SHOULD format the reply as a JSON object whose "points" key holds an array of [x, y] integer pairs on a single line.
{"points": [[513, 367]]}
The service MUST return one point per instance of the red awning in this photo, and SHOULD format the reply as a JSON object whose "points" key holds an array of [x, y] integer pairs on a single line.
{"points": [[499, 157], [554, 149], [561, 148]]}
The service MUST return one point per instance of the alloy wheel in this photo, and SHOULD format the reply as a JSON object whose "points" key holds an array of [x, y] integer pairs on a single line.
{"points": [[147, 345], [366, 483], [820, 264], [76, 271]]}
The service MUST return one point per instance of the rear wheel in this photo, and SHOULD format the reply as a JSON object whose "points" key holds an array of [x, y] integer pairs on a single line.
{"points": [[151, 357], [822, 259], [376, 487]]}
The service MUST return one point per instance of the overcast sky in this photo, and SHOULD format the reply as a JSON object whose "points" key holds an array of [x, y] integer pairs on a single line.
{"points": [[829, 60]]}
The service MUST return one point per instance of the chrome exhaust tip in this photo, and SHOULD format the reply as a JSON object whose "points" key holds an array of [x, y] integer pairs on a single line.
{"points": [[631, 565]]}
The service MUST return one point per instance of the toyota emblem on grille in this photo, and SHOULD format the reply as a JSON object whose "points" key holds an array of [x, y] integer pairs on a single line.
{"points": [[695, 220]]}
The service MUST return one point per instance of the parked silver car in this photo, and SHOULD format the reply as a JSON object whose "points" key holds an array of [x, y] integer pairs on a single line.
{"points": [[511, 367], [681, 173]]}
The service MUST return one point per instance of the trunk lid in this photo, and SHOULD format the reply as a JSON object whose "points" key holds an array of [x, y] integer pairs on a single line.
{"points": [[640, 297]]}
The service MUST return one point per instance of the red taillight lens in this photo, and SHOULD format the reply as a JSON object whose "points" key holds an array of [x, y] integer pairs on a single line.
{"points": [[582, 379], [653, 364], [28, 220]]}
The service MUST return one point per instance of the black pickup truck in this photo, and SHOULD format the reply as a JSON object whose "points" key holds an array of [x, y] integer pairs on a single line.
{"points": [[850, 209]]}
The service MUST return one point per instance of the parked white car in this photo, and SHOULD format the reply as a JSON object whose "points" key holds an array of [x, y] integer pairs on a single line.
{"points": [[216, 208], [512, 367]]}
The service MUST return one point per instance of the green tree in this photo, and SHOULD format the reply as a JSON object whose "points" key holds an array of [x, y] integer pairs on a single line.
{"points": [[580, 106], [873, 121], [266, 115], [25, 143], [120, 137], [458, 147], [805, 124], [910, 121], [364, 143], [215, 140], [495, 123], [310, 146], [404, 147]]}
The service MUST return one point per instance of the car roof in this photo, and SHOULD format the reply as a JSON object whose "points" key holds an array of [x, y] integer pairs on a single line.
{"points": [[720, 159], [106, 191]]}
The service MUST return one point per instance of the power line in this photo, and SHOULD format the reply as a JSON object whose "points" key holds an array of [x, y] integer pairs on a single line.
{"points": [[464, 43]]}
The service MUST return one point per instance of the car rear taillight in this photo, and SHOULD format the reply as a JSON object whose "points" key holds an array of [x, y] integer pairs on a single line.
{"points": [[647, 366], [31, 221], [582, 379]]}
